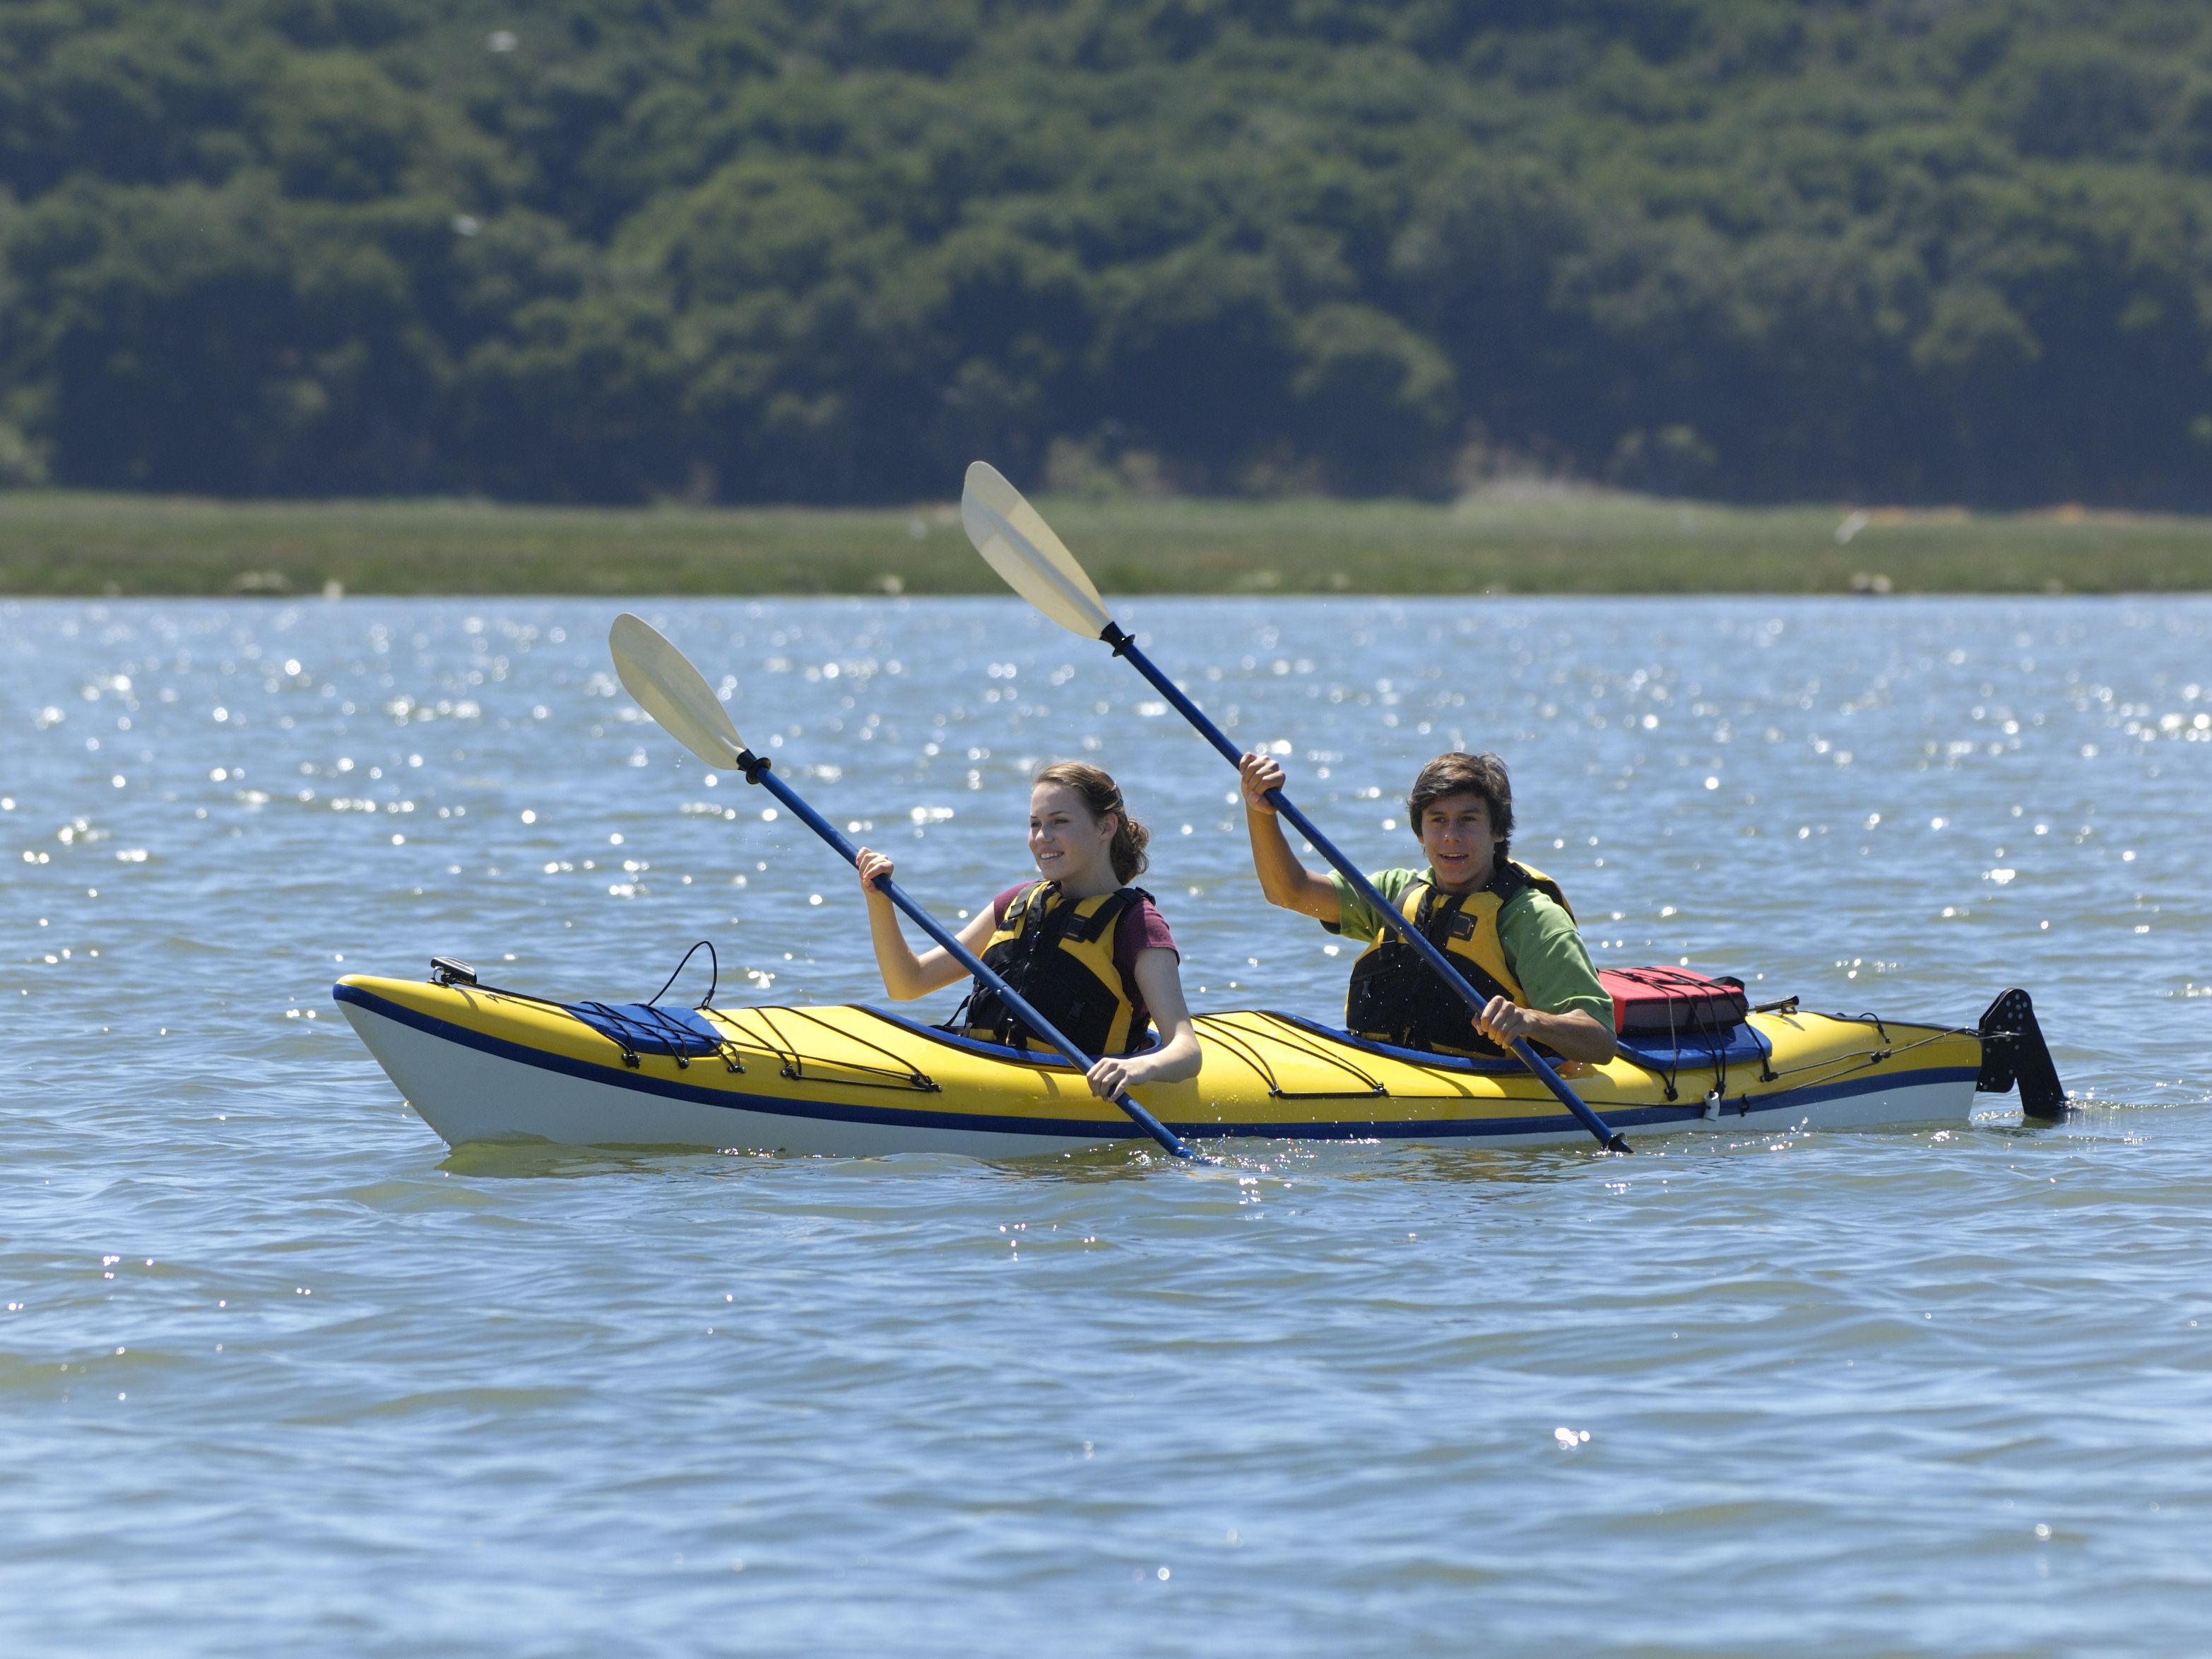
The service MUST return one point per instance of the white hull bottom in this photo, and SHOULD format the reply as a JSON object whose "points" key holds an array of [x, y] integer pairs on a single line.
{"points": [[467, 1094]]}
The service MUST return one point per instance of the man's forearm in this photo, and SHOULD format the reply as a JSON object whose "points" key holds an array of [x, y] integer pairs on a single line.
{"points": [[1575, 1035], [1283, 879]]}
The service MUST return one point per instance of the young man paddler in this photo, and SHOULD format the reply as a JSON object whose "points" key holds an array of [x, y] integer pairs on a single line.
{"points": [[1505, 927]]}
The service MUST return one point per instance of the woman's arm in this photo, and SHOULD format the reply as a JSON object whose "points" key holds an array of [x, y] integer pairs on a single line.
{"points": [[1282, 879], [1159, 981], [907, 975]]}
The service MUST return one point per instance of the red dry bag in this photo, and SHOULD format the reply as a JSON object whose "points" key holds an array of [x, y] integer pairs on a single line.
{"points": [[1655, 1000]]}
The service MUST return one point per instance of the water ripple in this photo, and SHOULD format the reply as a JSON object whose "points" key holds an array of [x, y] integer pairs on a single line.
{"points": [[287, 1373]]}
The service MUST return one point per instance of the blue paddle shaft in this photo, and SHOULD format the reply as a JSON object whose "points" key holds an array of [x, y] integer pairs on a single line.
{"points": [[758, 771], [1124, 646]]}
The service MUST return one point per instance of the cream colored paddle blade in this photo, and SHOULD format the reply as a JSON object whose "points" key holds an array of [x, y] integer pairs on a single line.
{"points": [[668, 688], [1016, 542]]}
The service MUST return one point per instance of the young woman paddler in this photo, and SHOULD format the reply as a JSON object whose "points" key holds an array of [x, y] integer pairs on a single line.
{"points": [[1090, 952]]}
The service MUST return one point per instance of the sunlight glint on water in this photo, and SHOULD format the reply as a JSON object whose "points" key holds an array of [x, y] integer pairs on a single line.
{"points": [[286, 1376]]}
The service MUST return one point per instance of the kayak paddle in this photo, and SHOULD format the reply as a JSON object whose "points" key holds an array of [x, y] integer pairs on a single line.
{"points": [[1016, 542], [668, 688]]}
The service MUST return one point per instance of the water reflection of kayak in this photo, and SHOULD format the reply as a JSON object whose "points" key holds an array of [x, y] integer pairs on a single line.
{"points": [[486, 1065]]}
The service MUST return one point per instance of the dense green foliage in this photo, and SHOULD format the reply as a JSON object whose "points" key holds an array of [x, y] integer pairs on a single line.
{"points": [[604, 250]]}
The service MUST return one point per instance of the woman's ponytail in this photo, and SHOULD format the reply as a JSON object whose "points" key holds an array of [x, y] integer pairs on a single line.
{"points": [[1102, 795]]}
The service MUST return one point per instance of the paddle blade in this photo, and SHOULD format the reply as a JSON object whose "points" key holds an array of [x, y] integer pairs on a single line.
{"points": [[668, 688], [1016, 542]]}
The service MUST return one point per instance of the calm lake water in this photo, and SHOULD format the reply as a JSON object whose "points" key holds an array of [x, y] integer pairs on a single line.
{"points": [[283, 1375]]}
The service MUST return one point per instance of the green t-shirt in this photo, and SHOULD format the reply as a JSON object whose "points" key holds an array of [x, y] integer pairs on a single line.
{"points": [[1543, 946]]}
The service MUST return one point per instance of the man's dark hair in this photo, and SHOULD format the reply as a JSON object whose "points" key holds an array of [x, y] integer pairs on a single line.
{"points": [[1465, 775]]}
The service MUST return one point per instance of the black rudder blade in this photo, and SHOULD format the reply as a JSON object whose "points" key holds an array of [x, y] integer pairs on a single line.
{"points": [[2014, 1052]]}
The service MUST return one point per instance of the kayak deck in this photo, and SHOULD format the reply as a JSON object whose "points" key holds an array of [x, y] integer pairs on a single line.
{"points": [[483, 1065]]}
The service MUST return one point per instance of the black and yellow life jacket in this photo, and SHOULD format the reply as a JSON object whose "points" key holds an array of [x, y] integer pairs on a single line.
{"points": [[1059, 956], [1395, 997]]}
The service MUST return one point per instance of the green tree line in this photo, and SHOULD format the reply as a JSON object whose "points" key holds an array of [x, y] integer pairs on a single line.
{"points": [[831, 249]]}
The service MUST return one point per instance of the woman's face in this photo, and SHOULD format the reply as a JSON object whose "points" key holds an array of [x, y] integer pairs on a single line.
{"points": [[1064, 839]]}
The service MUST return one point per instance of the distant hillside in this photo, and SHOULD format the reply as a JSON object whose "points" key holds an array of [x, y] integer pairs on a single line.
{"points": [[828, 250]]}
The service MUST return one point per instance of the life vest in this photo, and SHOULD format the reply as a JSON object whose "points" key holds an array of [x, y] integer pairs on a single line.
{"points": [[1059, 956], [1396, 997]]}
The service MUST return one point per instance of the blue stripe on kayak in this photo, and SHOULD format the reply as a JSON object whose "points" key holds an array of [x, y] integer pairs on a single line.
{"points": [[1759, 1108]]}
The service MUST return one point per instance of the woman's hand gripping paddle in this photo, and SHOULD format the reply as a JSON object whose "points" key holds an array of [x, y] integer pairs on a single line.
{"points": [[668, 688], [1016, 542]]}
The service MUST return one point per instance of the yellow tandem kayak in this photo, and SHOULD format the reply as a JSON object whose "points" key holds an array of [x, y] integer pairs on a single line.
{"points": [[485, 1065]]}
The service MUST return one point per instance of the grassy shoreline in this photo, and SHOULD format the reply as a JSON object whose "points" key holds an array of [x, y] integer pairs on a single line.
{"points": [[54, 542]]}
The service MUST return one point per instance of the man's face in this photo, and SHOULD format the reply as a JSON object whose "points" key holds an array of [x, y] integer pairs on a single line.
{"points": [[1456, 834]]}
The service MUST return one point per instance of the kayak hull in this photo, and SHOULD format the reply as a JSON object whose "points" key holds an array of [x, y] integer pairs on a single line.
{"points": [[483, 1066], [471, 1094]]}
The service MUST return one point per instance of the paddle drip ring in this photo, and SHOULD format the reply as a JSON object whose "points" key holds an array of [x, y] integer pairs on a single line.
{"points": [[752, 765]]}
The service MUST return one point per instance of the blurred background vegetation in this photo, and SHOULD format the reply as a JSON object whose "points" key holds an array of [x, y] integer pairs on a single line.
{"points": [[828, 250]]}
